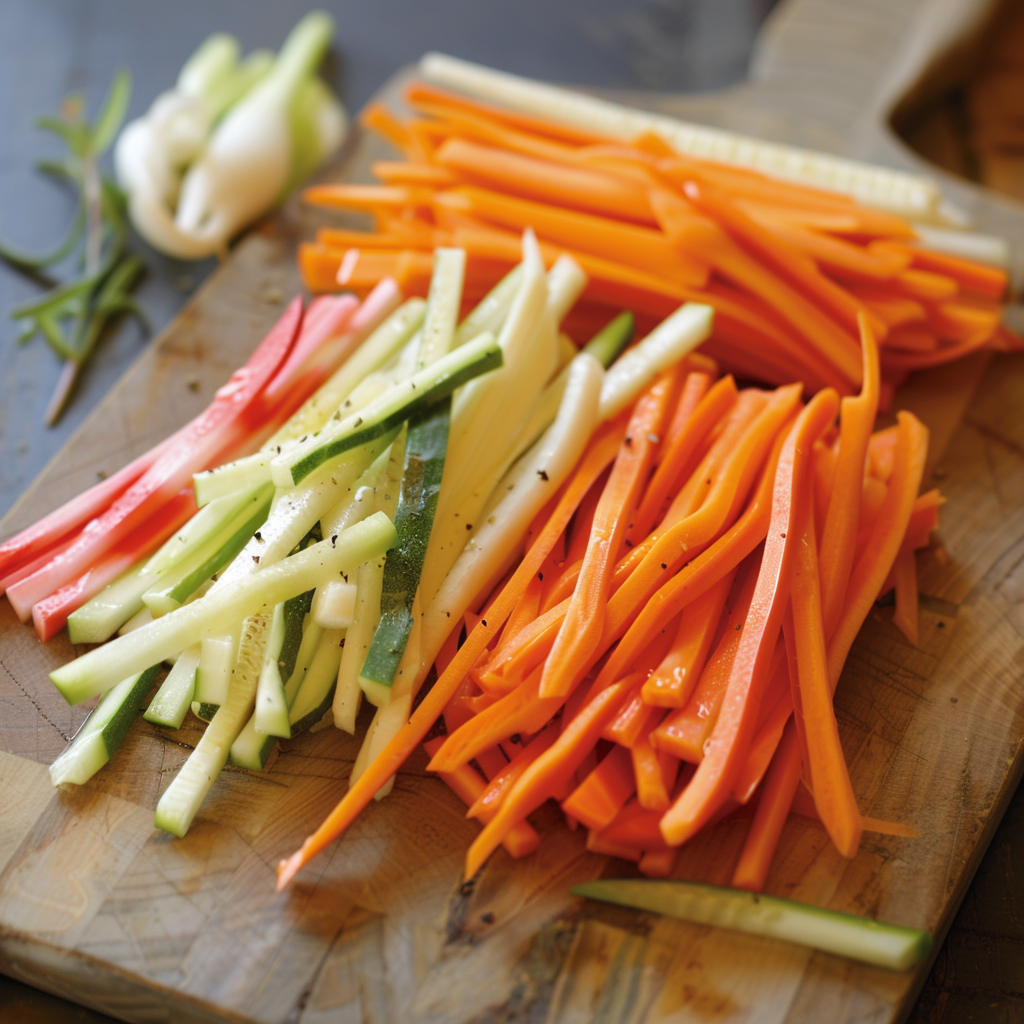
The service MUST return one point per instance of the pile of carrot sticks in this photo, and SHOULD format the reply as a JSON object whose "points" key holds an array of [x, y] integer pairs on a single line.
{"points": [[667, 650], [788, 269]]}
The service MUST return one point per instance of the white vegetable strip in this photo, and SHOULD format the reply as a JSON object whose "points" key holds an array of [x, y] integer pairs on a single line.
{"points": [[334, 604], [669, 342], [216, 613], [524, 492], [912, 196], [181, 800]]}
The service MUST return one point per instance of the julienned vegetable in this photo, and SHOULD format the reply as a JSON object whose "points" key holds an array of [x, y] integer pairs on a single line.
{"points": [[787, 267], [633, 666], [229, 141], [859, 938]]}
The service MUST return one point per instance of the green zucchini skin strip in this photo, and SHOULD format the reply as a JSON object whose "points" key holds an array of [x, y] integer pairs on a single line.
{"points": [[425, 452], [444, 376], [859, 938], [102, 732]]}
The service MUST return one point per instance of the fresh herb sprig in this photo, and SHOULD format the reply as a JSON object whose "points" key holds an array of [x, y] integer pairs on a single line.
{"points": [[72, 315]]}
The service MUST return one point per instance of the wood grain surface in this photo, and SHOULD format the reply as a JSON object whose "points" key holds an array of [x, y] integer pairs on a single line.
{"points": [[98, 906]]}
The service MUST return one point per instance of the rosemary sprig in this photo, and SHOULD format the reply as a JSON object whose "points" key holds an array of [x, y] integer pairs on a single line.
{"points": [[72, 315]]}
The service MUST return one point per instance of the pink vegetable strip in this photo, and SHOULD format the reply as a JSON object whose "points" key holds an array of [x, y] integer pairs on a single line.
{"points": [[196, 447]]}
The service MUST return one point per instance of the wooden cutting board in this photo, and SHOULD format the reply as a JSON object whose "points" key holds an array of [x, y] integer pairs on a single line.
{"points": [[99, 907]]}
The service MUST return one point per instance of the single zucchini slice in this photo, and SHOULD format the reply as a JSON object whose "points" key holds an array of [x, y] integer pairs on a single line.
{"points": [[101, 733], [102, 616], [213, 674], [271, 714], [179, 583], [859, 938], [171, 703], [425, 452], [316, 693], [423, 389]]}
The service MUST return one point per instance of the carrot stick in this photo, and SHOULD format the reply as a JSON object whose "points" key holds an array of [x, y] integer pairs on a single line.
{"points": [[685, 731], [377, 118], [812, 700], [414, 174], [695, 387], [467, 784], [600, 796], [583, 624], [677, 460], [672, 682], [486, 804], [367, 198], [540, 780], [839, 535], [727, 746], [779, 786], [644, 248], [652, 785], [905, 617], [658, 863], [547, 182], [885, 540]]}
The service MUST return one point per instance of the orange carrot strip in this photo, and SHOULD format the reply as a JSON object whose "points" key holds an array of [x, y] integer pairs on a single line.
{"points": [[812, 700], [635, 826], [684, 732], [773, 248], [696, 386], [336, 238], [419, 93], [613, 240], [765, 744], [652, 770], [658, 863], [836, 255], [924, 284], [672, 682], [558, 184], [677, 460], [583, 625], [600, 796], [377, 118], [368, 198], [467, 784], [772, 809], [905, 618], [319, 265], [911, 339], [430, 175], [693, 581], [839, 534], [541, 779], [886, 538], [486, 804], [803, 804], [727, 747], [975, 277], [595, 844]]}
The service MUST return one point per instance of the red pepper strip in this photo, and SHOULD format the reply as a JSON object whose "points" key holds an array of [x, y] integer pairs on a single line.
{"points": [[195, 446], [584, 620], [51, 614], [37, 563], [727, 747], [839, 535], [467, 784], [600, 796], [542, 778]]}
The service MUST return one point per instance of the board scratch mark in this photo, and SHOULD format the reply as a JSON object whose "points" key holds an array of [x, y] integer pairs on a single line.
{"points": [[42, 714]]}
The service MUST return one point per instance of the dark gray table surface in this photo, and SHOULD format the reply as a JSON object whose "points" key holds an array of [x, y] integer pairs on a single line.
{"points": [[50, 48]]}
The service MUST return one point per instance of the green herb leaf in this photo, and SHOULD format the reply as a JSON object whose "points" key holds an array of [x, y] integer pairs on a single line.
{"points": [[111, 115]]}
